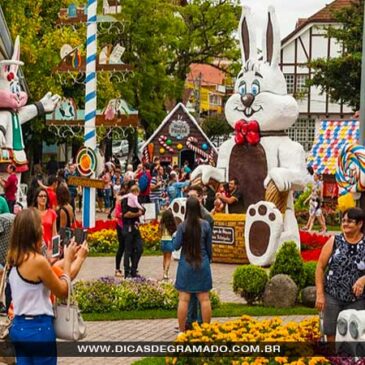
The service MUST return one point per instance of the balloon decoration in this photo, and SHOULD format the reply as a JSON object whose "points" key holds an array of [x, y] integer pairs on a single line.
{"points": [[179, 146], [162, 150], [204, 147], [86, 161]]}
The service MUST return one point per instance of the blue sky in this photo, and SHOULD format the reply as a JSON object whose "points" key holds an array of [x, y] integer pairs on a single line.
{"points": [[288, 11]]}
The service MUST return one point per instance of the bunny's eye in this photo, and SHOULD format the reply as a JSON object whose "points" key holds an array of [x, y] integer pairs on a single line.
{"points": [[255, 87], [15, 88], [242, 88]]}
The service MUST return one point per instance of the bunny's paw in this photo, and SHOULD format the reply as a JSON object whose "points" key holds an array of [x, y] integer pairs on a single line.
{"points": [[264, 225]]}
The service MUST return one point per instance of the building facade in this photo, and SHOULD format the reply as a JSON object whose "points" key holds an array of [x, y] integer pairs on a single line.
{"points": [[306, 43]]}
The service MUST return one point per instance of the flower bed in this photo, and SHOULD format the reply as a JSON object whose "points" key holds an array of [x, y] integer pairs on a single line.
{"points": [[248, 329], [111, 294], [105, 240], [151, 235], [311, 244]]}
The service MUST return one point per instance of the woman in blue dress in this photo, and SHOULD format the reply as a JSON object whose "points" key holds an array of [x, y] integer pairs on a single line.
{"points": [[194, 237]]}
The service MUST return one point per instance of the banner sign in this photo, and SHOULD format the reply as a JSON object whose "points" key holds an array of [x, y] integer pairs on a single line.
{"points": [[85, 182]]}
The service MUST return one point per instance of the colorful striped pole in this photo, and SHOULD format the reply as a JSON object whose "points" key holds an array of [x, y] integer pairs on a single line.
{"points": [[88, 211]]}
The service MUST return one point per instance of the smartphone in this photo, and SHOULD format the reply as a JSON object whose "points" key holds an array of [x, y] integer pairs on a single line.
{"points": [[66, 234], [56, 240], [80, 235]]}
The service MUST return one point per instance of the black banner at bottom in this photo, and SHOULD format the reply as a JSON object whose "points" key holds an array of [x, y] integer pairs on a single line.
{"points": [[193, 349]]}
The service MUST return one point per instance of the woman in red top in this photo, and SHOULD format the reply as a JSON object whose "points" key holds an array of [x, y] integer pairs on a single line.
{"points": [[49, 216]]}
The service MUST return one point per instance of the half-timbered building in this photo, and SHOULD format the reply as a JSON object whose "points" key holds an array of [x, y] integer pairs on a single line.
{"points": [[307, 42]]}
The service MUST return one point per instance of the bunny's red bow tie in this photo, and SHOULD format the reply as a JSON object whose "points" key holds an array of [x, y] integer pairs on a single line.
{"points": [[247, 132]]}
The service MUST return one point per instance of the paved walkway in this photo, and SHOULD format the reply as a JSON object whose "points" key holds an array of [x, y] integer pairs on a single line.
{"points": [[147, 330]]}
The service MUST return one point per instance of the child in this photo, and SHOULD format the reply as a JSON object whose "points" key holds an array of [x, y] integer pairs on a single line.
{"points": [[218, 206], [167, 229], [133, 197]]}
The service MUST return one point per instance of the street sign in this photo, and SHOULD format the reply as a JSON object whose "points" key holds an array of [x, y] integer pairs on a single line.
{"points": [[85, 182]]}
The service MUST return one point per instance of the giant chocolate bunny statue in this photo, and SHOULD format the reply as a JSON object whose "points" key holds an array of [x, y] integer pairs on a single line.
{"points": [[14, 112], [266, 162]]}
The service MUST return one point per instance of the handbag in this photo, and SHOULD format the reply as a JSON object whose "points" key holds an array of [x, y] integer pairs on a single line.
{"points": [[68, 323]]}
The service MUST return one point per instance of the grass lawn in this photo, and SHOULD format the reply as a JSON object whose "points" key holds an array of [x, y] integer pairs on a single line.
{"points": [[225, 310]]}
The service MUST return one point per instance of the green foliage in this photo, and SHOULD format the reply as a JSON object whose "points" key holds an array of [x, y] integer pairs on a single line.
{"points": [[299, 202], [249, 281], [288, 261], [109, 294], [341, 76], [216, 125], [310, 273]]}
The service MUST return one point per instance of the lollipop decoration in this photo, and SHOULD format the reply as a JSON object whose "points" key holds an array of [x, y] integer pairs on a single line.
{"points": [[163, 142], [350, 173], [191, 143], [86, 161]]}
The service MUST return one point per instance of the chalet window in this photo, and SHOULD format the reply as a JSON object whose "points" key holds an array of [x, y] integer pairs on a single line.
{"points": [[289, 83], [301, 83], [303, 132], [215, 99]]}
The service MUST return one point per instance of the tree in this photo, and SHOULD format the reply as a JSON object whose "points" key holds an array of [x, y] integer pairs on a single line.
{"points": [[340, 77], [215, 126]]}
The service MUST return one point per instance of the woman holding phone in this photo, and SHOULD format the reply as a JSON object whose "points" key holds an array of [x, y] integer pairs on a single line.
{"points": [[32, 280]]}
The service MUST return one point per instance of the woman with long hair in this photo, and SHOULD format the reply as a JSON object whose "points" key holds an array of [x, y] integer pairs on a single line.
{"points": [[32, 280], [48, 215], [194, 237], [167, 229], [65, 212]]}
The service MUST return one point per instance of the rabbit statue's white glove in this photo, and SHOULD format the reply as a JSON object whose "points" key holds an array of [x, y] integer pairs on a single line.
{"points": [[50, 102], [281, 177], [207, 172]]}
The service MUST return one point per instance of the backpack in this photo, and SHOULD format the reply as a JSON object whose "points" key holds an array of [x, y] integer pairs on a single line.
{"points": [[143, 182]]}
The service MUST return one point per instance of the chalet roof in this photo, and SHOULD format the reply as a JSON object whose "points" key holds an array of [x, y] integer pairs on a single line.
{"points": [[211, 76], [324, 15], [331, 138], [168, 118]]}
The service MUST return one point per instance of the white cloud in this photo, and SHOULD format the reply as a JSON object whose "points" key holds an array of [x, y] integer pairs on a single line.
{"points": [[288, 12]]}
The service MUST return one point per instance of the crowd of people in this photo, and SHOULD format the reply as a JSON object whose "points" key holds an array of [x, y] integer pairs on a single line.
{"points": [[35, 276]]}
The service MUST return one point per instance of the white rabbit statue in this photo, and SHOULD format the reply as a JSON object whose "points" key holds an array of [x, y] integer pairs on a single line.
{"points": [[260, 110], [14, 111]]}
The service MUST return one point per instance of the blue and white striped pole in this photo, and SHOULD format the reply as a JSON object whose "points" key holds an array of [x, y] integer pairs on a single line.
{"points": [[88, 211]]}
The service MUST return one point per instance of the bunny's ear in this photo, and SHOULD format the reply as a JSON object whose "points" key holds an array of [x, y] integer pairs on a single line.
{"points": [[16, 56], [247, 36], [271, 43]]}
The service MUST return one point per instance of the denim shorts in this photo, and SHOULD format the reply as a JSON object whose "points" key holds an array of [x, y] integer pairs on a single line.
{"points": [[332, 309], [166, 246], [34, 340]]}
